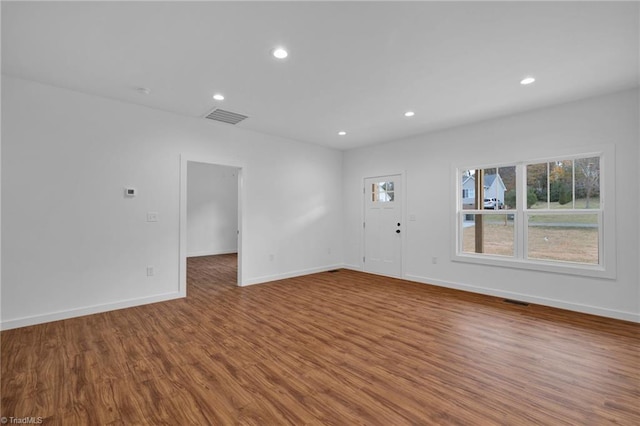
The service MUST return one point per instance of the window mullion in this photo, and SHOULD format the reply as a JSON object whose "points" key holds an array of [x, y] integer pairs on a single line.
{"points": [[573, 183], [521, 205], [601, 258], [548, 187]]}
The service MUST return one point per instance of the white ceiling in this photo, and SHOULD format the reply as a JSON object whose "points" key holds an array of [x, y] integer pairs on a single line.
{"points": [[353, 66]]}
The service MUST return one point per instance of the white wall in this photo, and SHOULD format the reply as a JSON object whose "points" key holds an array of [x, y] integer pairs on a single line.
{"points": [[212, 209], [427, 161], [73, 244]]}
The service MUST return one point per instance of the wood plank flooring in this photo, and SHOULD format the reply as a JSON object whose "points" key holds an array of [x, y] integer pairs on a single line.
{"points": [[337, 348]]}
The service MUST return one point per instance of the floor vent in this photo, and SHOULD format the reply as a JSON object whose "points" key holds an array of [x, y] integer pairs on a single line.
{"points": [[516, 302], [225, 116]]}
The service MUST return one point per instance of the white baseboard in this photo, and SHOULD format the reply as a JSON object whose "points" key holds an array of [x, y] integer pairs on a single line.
{"points": [[353, 267], [576, 307], [95, 309], [268, 278], [211, 253]]}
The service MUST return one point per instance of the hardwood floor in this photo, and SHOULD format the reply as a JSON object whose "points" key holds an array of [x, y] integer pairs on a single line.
{"points": [[331, 348]]}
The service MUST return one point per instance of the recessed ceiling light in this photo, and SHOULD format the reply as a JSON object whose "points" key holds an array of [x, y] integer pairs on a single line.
{"points": [[342, 133], [218, 97], [527, 80], [409, 114], [143, 90], [280, 53]]}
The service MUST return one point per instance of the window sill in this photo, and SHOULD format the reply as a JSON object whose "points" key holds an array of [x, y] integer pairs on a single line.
{"points": [[591, 271]]}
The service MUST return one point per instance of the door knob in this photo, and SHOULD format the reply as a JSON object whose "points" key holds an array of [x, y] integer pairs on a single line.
{"points": [[397, 231]]}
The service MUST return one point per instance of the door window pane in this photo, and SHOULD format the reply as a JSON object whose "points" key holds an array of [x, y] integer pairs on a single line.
{"points": [[382, 192]]}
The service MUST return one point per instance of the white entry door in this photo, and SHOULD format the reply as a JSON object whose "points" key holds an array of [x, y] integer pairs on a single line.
{"points": [[383, 225]]}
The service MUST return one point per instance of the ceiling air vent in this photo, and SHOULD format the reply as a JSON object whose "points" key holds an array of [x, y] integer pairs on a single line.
{"points": [[225, 116]]}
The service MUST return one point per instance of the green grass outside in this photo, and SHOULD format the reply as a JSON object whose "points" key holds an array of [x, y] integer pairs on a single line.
{"points": [[547, 243], [581, 203], [588, 218]]}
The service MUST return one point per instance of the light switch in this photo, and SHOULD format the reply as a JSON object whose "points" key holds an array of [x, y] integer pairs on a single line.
{"points": [[152, 216]]}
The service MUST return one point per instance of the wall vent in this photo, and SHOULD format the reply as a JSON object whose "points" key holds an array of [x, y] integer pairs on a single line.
{"points": [[225, 116], [516, 302]]}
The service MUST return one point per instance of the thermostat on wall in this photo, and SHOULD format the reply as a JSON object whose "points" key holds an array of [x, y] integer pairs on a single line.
{"points": [[130, 192]]}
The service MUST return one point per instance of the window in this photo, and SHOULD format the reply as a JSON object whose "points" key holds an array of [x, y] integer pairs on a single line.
{"points": [[382, 192], [487, 228], [563, 221], [543, 214], [497, 237]]}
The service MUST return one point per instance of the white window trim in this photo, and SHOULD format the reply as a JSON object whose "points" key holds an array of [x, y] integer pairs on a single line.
{"points": [[606, 220]]}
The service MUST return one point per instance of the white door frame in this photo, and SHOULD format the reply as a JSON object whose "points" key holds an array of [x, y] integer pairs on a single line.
{"points": [[184, 162], [403, 204]]}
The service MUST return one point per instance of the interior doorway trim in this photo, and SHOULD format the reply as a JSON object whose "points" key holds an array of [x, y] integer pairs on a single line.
{"points": [[184, 163]]}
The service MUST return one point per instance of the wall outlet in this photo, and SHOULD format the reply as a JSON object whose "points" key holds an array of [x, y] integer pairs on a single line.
{"points": [[434, 260], [152, 216], [329, 251], [150, 271], [272, 257]]}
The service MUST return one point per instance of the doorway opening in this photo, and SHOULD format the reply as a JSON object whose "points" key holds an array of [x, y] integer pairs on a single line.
{"points": [[210, 224], [212, 274]]}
